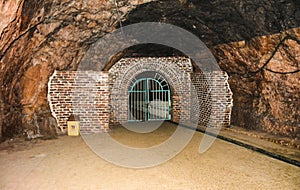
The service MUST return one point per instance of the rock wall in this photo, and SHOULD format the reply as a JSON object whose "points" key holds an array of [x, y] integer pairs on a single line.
{"points": [[38, 37], [264, 77]]}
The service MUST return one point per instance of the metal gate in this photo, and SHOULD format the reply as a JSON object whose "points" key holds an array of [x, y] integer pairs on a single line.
{"points": [[149, 99]]}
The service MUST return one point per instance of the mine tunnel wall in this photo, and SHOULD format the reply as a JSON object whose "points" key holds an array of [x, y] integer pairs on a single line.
{"points": [[257, 44]]}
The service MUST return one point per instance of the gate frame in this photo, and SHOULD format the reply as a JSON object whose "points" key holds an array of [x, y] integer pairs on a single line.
{"points": [[146, 91]]}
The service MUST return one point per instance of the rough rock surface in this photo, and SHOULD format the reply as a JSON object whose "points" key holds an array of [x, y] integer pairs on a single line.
{"points": [[38, 37], [248, 38], [264, 77]]}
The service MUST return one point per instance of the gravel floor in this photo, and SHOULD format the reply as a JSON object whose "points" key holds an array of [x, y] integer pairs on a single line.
{"points": [[68, 163]]}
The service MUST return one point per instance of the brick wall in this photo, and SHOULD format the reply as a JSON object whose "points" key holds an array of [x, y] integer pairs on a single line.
{"points": [[214, 99], [101, 98], [82, 93]]}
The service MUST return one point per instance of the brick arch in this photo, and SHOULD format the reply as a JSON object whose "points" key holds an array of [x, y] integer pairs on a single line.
{"points": [[177, 71]]}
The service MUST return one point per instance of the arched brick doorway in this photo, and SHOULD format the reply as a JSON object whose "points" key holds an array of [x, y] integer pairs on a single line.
{"points": [[173, 73], [149, 98]]}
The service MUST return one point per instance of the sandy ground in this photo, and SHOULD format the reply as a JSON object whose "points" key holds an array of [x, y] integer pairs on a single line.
{"points": [[68, 163]]}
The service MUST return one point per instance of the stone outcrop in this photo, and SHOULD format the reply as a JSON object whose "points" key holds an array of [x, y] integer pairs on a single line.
{"points": [[264, 77], [256, 42]]}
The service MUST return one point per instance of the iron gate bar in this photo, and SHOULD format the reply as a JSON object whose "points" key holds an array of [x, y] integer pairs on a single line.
{"points": [[148, 100]]}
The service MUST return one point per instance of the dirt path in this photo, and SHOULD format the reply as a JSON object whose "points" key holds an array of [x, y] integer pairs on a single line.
{"points": [[68, 163]]}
